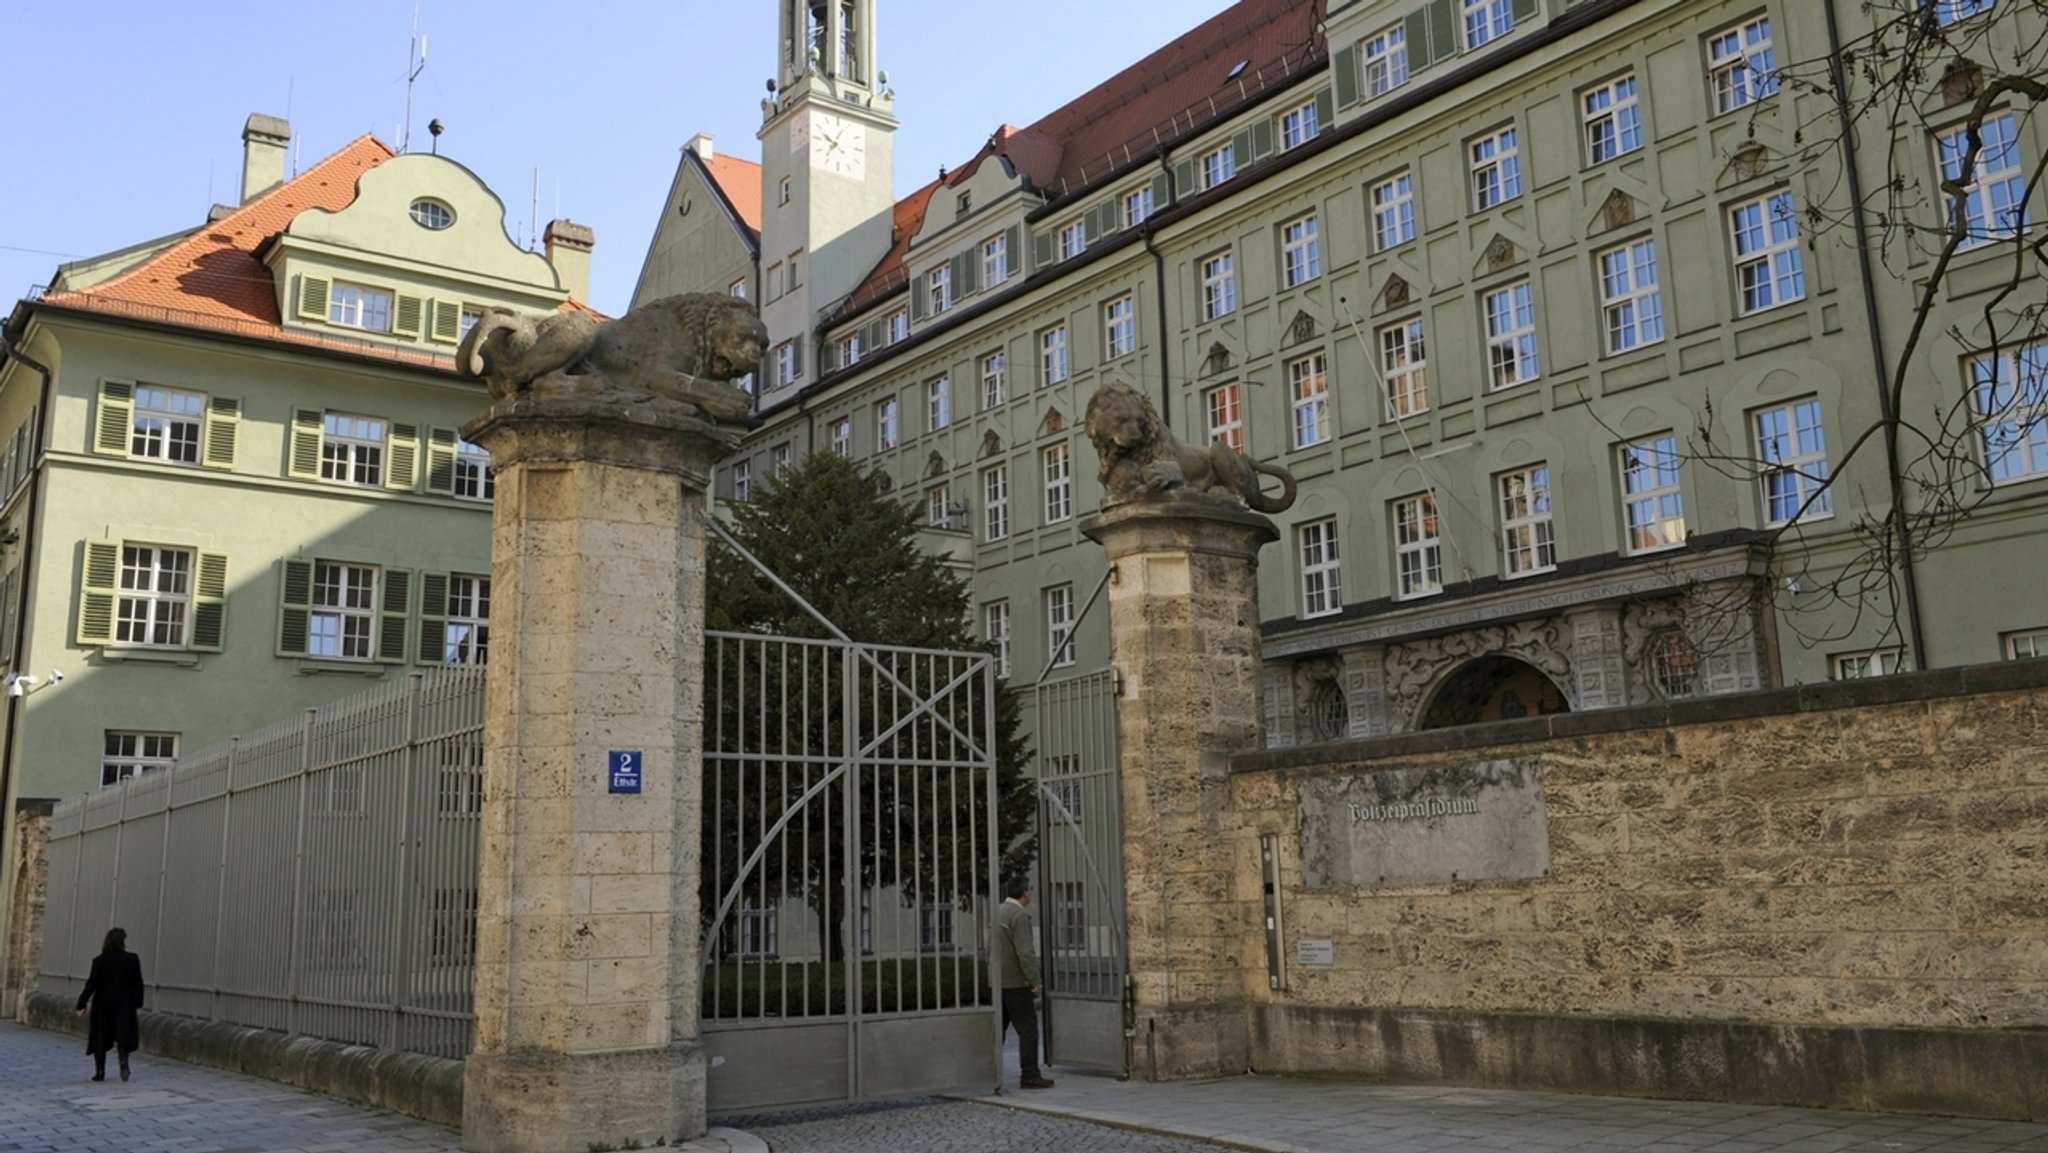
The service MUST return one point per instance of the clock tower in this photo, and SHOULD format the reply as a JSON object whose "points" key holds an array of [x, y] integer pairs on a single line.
{"points": [[827, 170]]}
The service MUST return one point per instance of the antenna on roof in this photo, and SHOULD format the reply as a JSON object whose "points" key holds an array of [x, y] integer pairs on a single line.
{"points": [[533, 224], [415, 63]]}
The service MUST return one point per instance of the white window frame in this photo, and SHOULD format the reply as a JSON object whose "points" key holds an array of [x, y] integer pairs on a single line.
{"points": [[1059, 626], [1322, 586], [737, 289], [153, 602], [842, 438], [757, 931], [1613, 115], [1486, 21], [1393, 211], [341, 624], [780, 456], [1404, 368], [995, 260], [786, 370], [475, 478], [125, 753], [1418, 546], [783, 189], [1528, 541], [1496, 168], [898, 325], [851, 348], [743, 481], [2009, 401], [1054, 366], [939, 288], [1219, 285], [1652, 495], [937, 501], [352, 448], [1994, 202], [888, 423], [995, 629], [994, 378], [467, 639], [1298, 125], [1868, 663], [1509, 314], [1137, 206], [1631, 307], [939, 403], [1216, 166], [168, 424], [1120, 327], [359, 306], [995, 503], [1308, 385], [1073, 239], [1792, 460], [2026, 644], [1386, 60], [1742, 66], [1057, 462], [1223, 415], [1301, 252], [1770, 270]]}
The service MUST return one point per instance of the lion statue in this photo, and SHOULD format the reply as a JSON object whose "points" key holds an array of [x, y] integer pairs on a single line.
{"points": [[1142, 459], [682, 348]]}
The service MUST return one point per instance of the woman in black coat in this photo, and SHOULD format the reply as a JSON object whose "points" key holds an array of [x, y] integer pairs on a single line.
{"points": [[114, 990]]}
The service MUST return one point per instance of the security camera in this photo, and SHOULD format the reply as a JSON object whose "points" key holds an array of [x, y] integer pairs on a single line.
{"points": [[56, 675], [19, 684]]}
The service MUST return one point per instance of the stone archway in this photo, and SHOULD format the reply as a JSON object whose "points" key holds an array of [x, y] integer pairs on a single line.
{"points": [[1492, 688]]}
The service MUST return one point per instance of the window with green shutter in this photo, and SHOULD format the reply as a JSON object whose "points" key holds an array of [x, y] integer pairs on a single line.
{"points": [[394, 616], [115, 418], [313, 294], [141, 595], [441, 444]]}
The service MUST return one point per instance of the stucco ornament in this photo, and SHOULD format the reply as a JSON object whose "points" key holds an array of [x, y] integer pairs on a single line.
{"points": [[1141, 459], [683, 348]]}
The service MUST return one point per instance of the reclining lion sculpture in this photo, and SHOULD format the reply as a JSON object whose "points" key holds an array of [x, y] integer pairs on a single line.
{"points": [[682, 348], [1141, 458]]}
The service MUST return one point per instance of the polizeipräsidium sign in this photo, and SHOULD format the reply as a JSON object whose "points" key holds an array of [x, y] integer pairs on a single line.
{"points": [[1430, 825]]}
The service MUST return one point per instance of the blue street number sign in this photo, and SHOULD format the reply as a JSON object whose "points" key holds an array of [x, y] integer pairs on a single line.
{"points": [[624, 767]]}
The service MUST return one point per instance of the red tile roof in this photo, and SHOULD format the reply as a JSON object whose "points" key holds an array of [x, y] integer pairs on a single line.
{"points": [[740, 182], [1199, 78], [889, 274], [215, 272], [1180, 89], [215, 278]]}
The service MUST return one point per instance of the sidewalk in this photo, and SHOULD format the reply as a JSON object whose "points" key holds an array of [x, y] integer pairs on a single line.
{"points": [[47, 1105], [1281, 1115]]}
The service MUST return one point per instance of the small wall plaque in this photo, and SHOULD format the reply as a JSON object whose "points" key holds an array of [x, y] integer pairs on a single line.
{"points": [[1315, 951], [623, 765]]}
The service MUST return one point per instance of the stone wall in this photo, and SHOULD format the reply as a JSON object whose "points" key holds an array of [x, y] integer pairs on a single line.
{"points": [[29, 843], [1825, 895]]}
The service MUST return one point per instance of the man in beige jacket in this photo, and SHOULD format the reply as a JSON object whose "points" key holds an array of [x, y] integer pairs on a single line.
{"points": [[1015, 962]]}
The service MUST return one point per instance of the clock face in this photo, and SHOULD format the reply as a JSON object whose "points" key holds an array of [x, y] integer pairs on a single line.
{"points": [[839, 146]]}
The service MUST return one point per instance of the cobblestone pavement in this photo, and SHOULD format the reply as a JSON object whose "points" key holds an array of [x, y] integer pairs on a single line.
{"points": [[930, 1125]]}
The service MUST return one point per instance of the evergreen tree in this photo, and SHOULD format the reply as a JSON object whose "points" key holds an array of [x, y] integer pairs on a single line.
{"points": [[837, 537]]}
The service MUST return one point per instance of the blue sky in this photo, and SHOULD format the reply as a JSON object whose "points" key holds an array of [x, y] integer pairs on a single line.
{"points": [[126, 115]]}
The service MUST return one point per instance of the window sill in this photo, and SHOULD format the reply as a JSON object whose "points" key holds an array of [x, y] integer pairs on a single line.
{"points": [[183, 658], [313, 667]]}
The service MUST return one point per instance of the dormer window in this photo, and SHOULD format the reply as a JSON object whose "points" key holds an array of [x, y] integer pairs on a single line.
{"points": [[354, 306], [432, 214]]}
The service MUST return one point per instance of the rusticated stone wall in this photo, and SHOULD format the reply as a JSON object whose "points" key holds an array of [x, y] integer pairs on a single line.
{"points": [[30, 844], [1826, 895]]}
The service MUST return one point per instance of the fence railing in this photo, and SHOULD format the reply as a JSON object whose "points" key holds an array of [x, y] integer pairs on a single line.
{"points": [[317, 877]]}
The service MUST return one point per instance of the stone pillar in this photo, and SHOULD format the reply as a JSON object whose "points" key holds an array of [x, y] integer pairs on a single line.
{"points": [[1184, 631], [27, 894], [587, 965]]}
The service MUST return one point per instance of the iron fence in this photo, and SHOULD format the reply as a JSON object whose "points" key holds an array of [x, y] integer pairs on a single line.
{"points": [[317, 877]]}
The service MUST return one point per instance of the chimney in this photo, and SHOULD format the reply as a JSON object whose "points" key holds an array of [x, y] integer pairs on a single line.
{"points": [[569, 245], [701, 145], [265, 140]]}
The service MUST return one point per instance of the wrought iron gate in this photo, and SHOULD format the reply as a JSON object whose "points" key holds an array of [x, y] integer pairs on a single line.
{"points": [[849, 867], [1080, 865]]}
